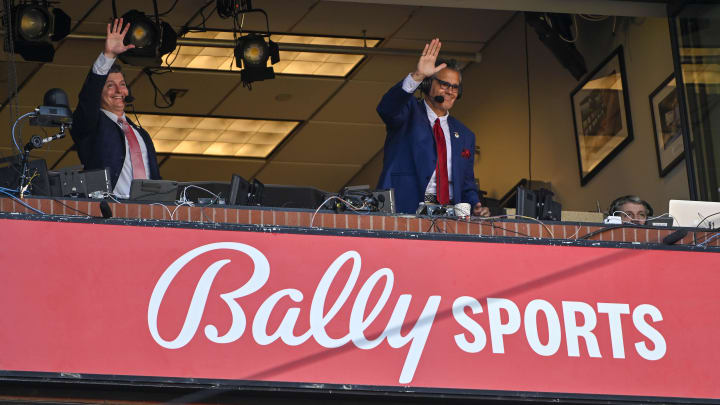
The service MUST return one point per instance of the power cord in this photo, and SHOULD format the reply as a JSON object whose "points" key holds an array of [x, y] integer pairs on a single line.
{"points": [[334, 197], [21, 202]]}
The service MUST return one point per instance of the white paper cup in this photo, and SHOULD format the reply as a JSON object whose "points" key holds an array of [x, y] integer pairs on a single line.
{"points": [[462, 210]]}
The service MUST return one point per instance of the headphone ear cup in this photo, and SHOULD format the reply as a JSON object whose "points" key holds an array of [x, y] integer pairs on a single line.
{"points": [[425, 85]]}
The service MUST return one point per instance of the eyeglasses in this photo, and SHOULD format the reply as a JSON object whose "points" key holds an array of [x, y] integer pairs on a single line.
{"points": [[447, 86]]}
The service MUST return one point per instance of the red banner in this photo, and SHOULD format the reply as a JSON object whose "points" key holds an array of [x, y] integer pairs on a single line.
{"points": [[189, 303]]}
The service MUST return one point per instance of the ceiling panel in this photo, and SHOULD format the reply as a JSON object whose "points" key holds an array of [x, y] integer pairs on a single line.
{"points": [[447, 45], [386, 68], [103, 12], [332, 18], [324, 177], [327, 142], [90, 27], [205, 91], [457, 24], [78, 52], [191, 168], [356, 102], [285, 97]]}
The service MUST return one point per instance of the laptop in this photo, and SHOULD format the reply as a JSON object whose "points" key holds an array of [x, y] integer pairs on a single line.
{"points": [[153, 190], [695, 214]]}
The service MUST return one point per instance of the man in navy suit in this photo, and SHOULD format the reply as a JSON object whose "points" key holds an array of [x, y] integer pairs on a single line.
{"points": [[428, 154], [103, 135]]}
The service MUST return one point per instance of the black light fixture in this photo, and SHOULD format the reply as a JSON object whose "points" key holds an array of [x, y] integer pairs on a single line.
{"points": [[251, 51], [252, 54], [152, 38], [34, 26]]}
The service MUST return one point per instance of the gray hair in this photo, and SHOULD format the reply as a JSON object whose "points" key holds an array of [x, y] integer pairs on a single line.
{"points": [[620, 201], [452, 64]]}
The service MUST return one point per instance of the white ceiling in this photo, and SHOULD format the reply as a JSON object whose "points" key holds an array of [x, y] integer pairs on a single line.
{"points": [[340, 130]]}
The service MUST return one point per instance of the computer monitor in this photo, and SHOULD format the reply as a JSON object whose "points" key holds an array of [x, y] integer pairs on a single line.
{"points": [[526, 202], [538, 204], [239, 191], [695, 214]]}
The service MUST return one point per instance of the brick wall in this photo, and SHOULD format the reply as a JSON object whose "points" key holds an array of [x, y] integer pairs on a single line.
{"points": [[303, 218]]}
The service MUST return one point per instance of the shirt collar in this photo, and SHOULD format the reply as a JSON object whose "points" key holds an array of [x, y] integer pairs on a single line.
{"points": [[432, 116], [112, 116]]}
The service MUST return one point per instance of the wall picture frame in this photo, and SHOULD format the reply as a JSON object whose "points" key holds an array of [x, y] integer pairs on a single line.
{"points": [[665, 113], [601, 115]]}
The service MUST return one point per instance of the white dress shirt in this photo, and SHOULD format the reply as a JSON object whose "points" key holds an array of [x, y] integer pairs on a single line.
{"points": [[410, 85], [122, 187]]}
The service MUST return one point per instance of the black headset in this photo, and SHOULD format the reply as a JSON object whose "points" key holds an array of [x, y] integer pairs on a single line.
{"points": [[426, 84]]}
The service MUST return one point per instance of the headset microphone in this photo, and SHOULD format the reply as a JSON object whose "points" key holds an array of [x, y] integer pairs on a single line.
{"points": [[129, 99], [439, 99]]}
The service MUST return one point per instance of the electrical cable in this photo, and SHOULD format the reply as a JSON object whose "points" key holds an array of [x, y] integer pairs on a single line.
{"points": [[708, 240], [23, 188], [166, 208], [703, 220], [13, 130], [201, 28], [12, 68], [176, 53], [519, 216], [527, 81], [575, 234], [169, 10], [183, 195], [611, 227], [74, 209], [577, 30], [21, 202], [492, 225], [334, 197], [157, 90]]}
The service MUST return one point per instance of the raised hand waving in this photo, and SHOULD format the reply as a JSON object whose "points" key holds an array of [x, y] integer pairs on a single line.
{"points": [[114, 45], [426, 65]]}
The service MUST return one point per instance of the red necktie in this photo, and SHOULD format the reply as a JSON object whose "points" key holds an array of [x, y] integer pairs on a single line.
{"points": [[138, 167], [441, 172]]}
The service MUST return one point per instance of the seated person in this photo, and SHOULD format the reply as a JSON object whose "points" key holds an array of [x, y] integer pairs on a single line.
{"points": [[630, 208], [429, 154], [103, 135]]}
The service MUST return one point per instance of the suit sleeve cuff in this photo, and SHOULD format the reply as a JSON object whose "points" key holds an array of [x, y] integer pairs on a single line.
{"points": [[409, 84], [102, 65]]}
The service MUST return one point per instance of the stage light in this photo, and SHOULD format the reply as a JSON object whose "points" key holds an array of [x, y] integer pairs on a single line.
{"points": [[252, 54], [33, 27], [152, 39], [33, 23]]}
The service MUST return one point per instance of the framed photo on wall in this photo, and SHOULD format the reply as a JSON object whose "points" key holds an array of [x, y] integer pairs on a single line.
{"points": [[665, 112], [601, 115]]}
